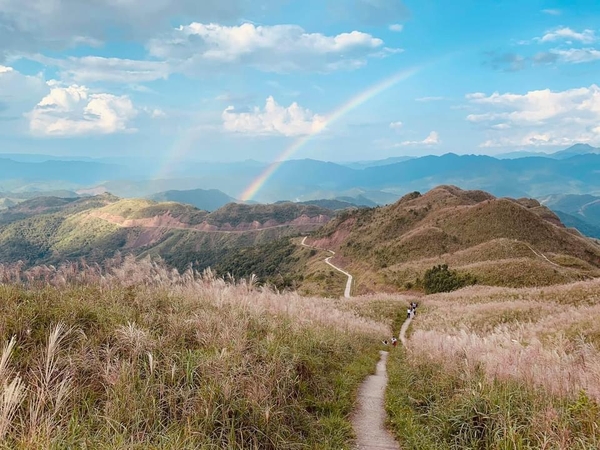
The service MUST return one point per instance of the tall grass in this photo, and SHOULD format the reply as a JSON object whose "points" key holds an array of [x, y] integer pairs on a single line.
{"points": [[492, 368], [134, 355]]}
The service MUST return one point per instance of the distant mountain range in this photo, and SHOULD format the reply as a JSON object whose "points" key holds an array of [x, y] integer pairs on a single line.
{"points": [[577, 149], [578, 211], [571, 171], [208, 200]]}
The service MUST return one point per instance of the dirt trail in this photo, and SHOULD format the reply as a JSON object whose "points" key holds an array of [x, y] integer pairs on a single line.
{"points": [[541, 255], [369, 417], [328, 261], [405, 326]]}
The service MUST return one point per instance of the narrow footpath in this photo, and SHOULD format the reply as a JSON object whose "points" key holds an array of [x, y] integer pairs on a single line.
{"points": [[328, 261], [369, 417]]}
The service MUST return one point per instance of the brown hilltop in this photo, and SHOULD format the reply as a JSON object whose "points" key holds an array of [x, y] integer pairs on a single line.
{"points": [[499, 240]]}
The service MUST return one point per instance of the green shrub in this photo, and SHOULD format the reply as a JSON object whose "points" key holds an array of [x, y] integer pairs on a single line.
{"points": [[442, 279]]}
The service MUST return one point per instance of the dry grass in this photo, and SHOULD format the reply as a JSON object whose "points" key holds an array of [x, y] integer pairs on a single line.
{"points": [[134, 355], [498, 368], [527, 334]]}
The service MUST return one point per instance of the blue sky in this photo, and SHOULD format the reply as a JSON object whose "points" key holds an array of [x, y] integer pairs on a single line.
{"points": [[238, 79]]}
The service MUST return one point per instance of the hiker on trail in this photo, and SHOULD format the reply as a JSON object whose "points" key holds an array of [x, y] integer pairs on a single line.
{"points": [[409, 313], [385, 342], [394, 341]]}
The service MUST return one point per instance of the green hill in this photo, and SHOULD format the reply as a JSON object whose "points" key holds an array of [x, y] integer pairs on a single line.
{"points": [[499, 241], [51, 230]]}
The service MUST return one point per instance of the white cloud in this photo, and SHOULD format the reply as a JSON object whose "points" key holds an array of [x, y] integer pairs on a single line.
{"points": [[155, 113], [18, 94], [552, 12], [113, 70], [432, 139], [74, 111], [567, 34], [430, 99], [281, 48], [539, 118], [15, 86], [396, 125], [577, 55], [273, 120], [397, 27], [34, 24]]}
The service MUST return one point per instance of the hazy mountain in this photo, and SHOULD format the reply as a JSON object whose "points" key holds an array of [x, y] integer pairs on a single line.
{"points": [[37, 158], [522, 154], [375, 163], [332, 204], [577, 149], [208, 200], [382, 182], [79, 172], [360, 200], [580, 211], [584, 227], [574, 150]]}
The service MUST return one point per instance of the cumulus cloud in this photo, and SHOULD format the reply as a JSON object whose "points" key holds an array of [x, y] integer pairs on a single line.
{"points": [[432, 139], [274, 119], [31, 25], [577, 55], [538, 118], [19, 93], [198, 47], [396, 27], [567, 34], [396, 125], [75, 111]]}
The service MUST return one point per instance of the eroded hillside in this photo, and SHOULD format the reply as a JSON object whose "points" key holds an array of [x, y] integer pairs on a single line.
{"points": [[51, 230]]}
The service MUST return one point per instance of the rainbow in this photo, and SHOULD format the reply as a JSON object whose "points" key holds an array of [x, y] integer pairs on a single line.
{"points": [[353, 103]]}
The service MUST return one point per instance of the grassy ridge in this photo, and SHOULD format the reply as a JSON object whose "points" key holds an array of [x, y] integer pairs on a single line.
{"points": [[498, 368], [139, 357], [498, 241]]}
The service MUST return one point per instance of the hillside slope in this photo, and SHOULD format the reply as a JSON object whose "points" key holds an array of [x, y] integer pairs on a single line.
{"points": [[500, 241], [51, 230], [583, 208]]}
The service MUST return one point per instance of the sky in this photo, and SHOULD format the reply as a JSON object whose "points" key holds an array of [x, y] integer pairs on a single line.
{"points": [[227, 80]]}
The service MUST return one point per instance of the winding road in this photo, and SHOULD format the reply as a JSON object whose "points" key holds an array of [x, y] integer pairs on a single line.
{"points": [[328, 261]]}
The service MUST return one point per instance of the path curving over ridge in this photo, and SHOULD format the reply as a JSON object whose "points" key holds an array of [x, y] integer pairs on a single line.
{"points": [[347, 290]]}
